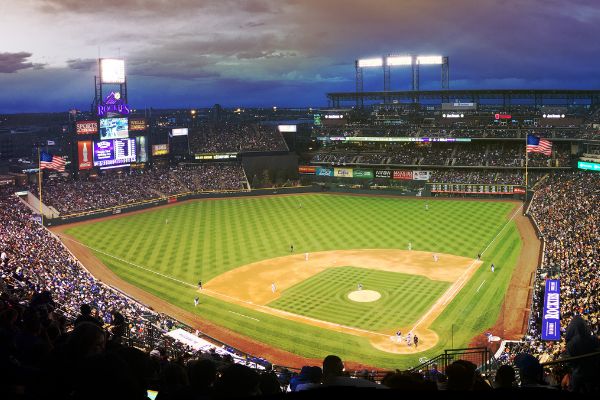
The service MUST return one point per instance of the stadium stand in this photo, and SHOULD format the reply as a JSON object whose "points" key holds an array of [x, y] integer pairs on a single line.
{"points": [[228, 137]]}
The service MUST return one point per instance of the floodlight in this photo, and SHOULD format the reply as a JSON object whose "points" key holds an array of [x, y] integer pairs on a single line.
{"points": [[429, 60], [399, 60], [370, 62], [112, 70]]}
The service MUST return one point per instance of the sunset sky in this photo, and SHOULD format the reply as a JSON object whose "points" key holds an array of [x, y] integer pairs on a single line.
{"points": [[194, 53]]}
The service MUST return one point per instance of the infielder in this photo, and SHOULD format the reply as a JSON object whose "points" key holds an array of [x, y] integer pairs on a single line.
{"points": [[398, 336], [273, 287], [196, 301], [409, 339], [409, 246], [305, 256], [435, 257], [360, 286]]}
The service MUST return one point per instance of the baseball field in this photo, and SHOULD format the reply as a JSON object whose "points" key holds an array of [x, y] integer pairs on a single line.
{"points": [[307, 300]]}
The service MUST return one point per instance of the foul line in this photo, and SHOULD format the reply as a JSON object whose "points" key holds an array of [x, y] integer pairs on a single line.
{"points": [[245, 316], [457, 286], [480, 286]]}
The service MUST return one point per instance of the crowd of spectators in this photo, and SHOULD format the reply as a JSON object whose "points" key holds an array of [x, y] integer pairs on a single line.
{"points": [[231, 137], [496, 154], [565, 208], [62, 331], [69, 195]]}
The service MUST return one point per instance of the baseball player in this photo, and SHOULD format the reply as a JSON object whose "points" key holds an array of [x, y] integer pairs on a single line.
{"points": [[416, 340], [435, 257], [398, 336], [493, 267], [291, 248], [273, 287], [196, 301], [305, 256], [409, 246], [409, 339], [200, 285], [167, 221], [360, 286], [426, 206]]}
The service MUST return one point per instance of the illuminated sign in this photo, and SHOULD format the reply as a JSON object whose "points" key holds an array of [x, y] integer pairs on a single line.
{"points": [[551, 311], [114, 152], [112, 70], [84, 148], [503, 116], [86, 127], [334, 116], [179, 132], [553, 116], [453, 115], [113, 104], [588, 166], [216, 156], [142, 149], [160, 149], [307, 170], [137, 124], [287, 128]]}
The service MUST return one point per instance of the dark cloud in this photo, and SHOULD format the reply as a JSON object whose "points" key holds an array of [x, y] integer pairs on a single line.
{"points": [[13, 62], [82, 64]]}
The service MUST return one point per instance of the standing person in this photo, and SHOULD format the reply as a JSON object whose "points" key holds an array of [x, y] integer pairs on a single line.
{"points": [[291, 248], [435, 257], [273, 287], [196, 301], [409, 339], [479, 256], [398, 336], [493, 267], [416, 340], [167, 221], [426, 206], [200, 285], [305, 256], [360, 286], [409, 246]]}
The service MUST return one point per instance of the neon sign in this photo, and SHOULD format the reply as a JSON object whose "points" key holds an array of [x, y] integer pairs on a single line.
{"points": [[113, 104]]}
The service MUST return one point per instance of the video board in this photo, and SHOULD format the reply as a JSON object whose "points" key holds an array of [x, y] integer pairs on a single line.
{"points": [[160, 149], [114, 128]]}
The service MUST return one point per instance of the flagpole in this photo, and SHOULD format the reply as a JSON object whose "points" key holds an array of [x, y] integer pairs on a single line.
{"points": [[40, 183]]}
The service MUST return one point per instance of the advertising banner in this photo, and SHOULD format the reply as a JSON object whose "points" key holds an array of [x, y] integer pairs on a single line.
{"points": [[421, 175], [142, 149], [551, 317], [179, 132], [465, 188], [589, 166], [383, 173], [84, 148], [86, 127], [322, 171], [519, 190], [402, 175], [160, 149], [363, 173], [137, 124], [303, 169], [342, 172], [114, 152]]}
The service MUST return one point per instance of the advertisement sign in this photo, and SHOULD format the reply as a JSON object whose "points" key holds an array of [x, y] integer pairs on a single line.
{"points": [[179, 132], [286, 128], [383, 173], [113, 105], [421, 175], [142, 149], [458, 106], [503, 116], [363, 173], [114, 152], [322, 171], [216, 156], [402, 175], [465, 188], [342, 172], [307, 170], [551, 317], [160, 149], [114, 128], [519, 190], [86, 127], [112, 70], [589, 166], [137, 124], [84, 149]]}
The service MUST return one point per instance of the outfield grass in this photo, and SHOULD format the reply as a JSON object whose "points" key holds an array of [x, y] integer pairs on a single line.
{"points": [[203, 239], [325, 297]]}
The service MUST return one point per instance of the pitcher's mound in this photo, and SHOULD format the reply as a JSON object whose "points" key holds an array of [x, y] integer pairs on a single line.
{"points": [[364, 296]]}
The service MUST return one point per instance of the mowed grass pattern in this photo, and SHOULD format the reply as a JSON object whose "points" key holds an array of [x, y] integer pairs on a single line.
{"points": [[404, 298], [202, 239]]}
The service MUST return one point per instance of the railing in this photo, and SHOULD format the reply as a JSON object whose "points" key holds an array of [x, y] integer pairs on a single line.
{"points": [[480, 356]]}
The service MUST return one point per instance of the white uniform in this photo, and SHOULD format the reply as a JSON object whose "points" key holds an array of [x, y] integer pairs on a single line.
{"points": [[435, 258], [305, 256], [493, 268], [273, 287], [360, 286], [196, 301], [409, 246]]}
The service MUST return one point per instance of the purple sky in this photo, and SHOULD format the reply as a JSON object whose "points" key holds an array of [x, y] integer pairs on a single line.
{"points": [[194, 53]]}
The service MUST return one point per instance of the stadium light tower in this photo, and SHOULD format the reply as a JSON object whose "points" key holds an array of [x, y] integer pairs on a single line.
{"points": [[359, 65]]}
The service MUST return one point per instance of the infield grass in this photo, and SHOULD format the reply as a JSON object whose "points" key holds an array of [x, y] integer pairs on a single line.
{"points": [[203, 239]]}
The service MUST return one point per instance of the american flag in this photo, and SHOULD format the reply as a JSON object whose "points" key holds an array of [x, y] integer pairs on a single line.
{"points": [[537, 145], [48, 161]]}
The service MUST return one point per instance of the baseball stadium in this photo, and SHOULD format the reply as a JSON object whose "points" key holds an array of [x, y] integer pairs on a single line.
{"points": [[426, 232]]}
